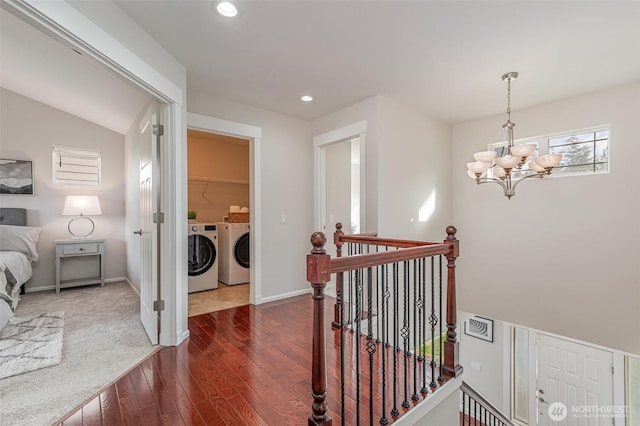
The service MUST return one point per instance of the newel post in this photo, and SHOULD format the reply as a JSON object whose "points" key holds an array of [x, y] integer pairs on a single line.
{"points": [[318, 275], [337, 240], [452, 365]]}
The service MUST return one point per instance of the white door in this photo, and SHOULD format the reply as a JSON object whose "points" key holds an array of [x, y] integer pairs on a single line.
{"points": [[149, 232], [572, 378]]}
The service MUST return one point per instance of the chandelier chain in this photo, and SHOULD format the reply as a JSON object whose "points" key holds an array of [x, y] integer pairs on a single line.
{"points": [[508, 99]]}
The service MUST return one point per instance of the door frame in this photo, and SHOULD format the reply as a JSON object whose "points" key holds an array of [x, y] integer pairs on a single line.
{"points": [[618, 365], [209, 124], [320, 142], [70, 27]]}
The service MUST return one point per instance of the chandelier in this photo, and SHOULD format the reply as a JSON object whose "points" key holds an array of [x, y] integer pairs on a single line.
{"points": [[515, 163]]}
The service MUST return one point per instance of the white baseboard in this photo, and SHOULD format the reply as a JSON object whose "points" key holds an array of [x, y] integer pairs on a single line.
{"points": [[106, 281], [285, 295]]}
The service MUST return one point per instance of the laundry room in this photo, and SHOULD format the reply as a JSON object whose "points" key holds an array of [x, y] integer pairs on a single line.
{"points": [[218, 229]]}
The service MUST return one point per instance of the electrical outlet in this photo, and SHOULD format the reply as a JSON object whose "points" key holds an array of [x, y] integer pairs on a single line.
{"points": [[476, 365], [330, 218], [283, 218]]}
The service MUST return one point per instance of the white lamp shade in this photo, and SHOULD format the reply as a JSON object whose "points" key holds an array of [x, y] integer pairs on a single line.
{"points": [[523, 150], [478, 167], [499, 172], [549, 160], [508, 161], [486, 156], [81, 205], [535, 167]]}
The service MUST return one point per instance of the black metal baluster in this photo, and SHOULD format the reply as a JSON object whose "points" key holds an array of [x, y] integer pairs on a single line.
{"points": [[384, 320], [441, 360], [342, 375], [394, 410], [433, 320], [464, 414], [371, 344], [405, 332], [358, 321], [378, 300], [415, 308], [423, 324]]}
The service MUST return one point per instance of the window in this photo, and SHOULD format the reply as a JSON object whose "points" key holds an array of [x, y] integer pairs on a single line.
{"points": [[76, 166], [633, 390], [583, 152], [520, 374]]}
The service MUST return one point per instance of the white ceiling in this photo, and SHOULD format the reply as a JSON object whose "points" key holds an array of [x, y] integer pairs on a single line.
{"points": [[444, 58]]}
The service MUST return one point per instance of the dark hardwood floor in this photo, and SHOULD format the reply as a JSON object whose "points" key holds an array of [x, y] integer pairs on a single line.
{"points": [[247, 366]]}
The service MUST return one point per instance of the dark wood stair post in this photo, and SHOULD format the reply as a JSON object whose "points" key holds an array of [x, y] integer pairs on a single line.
{"points": [[337, 240], [452, 365], [318, 275]]}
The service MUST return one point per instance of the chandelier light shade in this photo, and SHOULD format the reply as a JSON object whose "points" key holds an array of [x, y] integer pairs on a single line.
{"points": [[512, 159], [81, 206]]}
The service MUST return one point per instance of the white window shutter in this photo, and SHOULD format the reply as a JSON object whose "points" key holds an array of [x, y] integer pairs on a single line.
{"points": [[76, 166]]}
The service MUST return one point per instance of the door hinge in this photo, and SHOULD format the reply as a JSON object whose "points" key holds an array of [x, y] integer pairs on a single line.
{"points": [[158, 130], [158, 217], [158, 305]]}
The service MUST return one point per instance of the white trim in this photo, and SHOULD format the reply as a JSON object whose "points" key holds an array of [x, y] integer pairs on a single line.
{"points": [[65, 23], [320, 142], [254, 134], [340, 134], [415, 414], [287, 295], [53, 287], [225, 127]]}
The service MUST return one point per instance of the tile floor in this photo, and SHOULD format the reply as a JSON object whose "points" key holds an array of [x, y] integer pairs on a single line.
{"points": [[224, 297]]}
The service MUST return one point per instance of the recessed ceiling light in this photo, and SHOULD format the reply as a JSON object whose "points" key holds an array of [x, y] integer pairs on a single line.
{"points": [[227, 9], [306, 98]]}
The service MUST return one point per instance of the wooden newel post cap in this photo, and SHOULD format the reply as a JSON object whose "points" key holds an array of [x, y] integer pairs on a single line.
{"points": [[339, 226], [318, 241], [451, 232]]}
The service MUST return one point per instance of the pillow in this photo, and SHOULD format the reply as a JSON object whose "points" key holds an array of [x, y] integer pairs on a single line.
{"points": [[22, 239]]}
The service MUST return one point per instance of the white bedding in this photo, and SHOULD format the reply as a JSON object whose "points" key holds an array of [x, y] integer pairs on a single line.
{"points": [[15, 270]]}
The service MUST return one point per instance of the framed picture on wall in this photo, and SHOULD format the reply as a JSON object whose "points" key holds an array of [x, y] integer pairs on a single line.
{"points": [[479, 327], [16, 177]]}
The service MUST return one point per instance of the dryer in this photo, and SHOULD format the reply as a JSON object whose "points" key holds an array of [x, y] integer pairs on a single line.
{"points": [[203, 256], [234, 253]]}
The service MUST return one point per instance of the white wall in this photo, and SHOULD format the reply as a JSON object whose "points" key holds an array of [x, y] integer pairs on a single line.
{"points": [[287, 188], [562, 255], [415, 156], [484, 362], [369, 111], [408, 157], [28, 129]]}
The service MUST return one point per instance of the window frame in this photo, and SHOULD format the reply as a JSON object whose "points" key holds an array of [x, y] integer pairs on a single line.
{"points": [[543, 148]]}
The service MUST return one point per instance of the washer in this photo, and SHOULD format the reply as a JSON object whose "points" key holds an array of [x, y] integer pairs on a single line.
{"points": [[203, 256], [234, 253]]}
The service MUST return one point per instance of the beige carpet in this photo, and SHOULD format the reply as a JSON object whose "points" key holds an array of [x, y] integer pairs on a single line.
{"points": [[103, 338]]}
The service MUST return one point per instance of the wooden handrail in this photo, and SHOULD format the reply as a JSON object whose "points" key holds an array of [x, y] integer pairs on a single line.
{"points": [[370, 260], [485, 404]]}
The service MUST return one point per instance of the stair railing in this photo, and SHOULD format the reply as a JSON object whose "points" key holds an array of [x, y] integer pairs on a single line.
{"points": [[478, 411], [393, 293]]}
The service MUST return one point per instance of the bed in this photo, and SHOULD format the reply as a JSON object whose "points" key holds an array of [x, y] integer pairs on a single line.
{"points": [[17, 250]]}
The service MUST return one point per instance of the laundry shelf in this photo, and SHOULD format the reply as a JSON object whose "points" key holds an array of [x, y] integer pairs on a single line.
{"points": [[208, 180], [217, 180]]}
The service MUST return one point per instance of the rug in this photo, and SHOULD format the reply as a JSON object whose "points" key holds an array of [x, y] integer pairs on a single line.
{"points": [[31, 343]]}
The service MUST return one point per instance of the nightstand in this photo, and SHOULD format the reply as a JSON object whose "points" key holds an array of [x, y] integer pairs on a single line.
{"points": [[79, 248]]}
